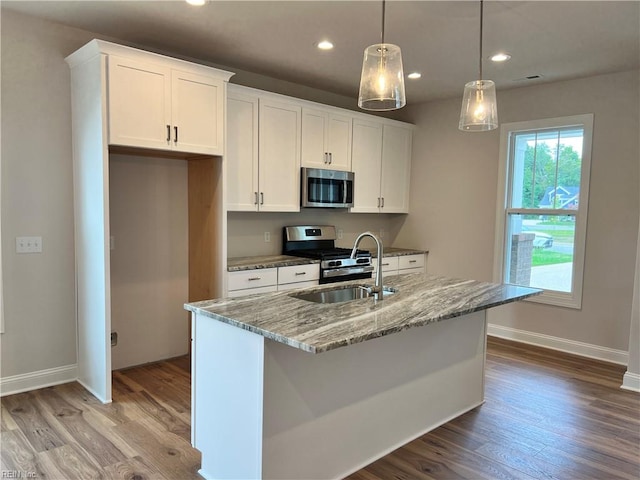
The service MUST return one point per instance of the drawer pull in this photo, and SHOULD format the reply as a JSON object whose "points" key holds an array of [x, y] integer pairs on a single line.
{"points": [[385, 264], [300, 273], [413, 261], [251, 279]]}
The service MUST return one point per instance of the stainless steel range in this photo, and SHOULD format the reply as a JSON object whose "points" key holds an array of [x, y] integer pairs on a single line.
{"points": [[318, 241]]}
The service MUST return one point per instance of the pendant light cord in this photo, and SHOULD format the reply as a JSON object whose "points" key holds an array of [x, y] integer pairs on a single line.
{"points": [[383, 9], [480, 68]]}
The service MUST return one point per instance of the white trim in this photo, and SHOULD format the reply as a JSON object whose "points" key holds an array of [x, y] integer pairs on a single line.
{"points": [[588, 350], [571, 299], [631, 381], [39, 379]]}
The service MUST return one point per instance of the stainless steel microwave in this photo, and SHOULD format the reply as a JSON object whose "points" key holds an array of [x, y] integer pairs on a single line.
{"points": [[326, 188]]}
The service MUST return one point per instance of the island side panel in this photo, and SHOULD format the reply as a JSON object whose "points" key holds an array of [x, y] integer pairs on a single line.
{"points": [[328, 415], [227, 399]]}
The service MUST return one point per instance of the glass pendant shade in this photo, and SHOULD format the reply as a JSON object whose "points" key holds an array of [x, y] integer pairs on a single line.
{"points": [[479, 107], [382, 80]]}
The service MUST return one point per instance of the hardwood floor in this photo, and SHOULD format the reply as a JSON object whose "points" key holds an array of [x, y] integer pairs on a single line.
{"points": [[547, 415]]}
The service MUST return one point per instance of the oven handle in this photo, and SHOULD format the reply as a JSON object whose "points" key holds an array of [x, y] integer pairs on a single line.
{"points": [[338, 272]]}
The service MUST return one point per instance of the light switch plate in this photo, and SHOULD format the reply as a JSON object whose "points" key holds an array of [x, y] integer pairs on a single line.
{"points": [[28, 244]]}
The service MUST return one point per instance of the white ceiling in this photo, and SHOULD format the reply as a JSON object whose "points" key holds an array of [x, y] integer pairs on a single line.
{"points": [[555, 39]]}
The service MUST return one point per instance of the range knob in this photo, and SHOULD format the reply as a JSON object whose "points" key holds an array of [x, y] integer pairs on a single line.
{"points": [[335, 263]]}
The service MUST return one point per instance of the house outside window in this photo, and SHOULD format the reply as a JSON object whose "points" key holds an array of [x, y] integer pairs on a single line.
{"points": [[543, 193]]}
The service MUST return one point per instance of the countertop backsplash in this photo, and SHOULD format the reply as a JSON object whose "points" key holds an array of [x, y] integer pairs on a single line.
{"points": [[246, 230]]}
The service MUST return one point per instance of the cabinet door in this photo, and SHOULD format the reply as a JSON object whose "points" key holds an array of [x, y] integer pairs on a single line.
{"points": [[279, 156], [139, 104], [197, 113], [396, 169], [242, 152], [339, 138], [366, 164], [314, 138]]}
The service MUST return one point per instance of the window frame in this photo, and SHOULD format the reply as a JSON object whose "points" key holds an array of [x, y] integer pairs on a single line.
{"points": [[571, 299]]}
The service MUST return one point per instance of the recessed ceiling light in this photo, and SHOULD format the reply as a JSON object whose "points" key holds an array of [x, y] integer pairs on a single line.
{"points": [[414, 75], [325, 45], [196, 3], [500, 57]]}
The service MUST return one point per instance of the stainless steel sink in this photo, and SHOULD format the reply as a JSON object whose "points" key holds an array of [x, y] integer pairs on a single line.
{"points": [[339, 295]]}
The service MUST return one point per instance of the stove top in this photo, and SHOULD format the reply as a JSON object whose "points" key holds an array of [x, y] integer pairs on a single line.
{"points": [[318, 242]]}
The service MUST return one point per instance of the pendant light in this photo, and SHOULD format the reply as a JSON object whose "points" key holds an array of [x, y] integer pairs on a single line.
{"points": [[382, 80], [479, 107]]}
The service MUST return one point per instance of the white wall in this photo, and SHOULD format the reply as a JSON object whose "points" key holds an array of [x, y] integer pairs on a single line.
{"points": [[148, 209], [246, 229], [454, 188]]}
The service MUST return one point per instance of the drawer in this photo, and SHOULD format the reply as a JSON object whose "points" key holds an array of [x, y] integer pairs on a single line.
{"points": [[252, 291], [389, 264], [293, 286], [262, 277], [298, 273], [406, 271], [411, 261]]}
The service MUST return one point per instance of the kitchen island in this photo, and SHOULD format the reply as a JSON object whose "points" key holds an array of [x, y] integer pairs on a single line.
{"points": [[287, 388]]}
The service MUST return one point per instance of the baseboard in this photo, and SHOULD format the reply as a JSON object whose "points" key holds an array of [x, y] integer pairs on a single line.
{"points": [[561, 344], [631, 381], [39, 379]]}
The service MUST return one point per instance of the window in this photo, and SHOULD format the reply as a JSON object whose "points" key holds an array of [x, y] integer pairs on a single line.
{"points": [[543, 193]]}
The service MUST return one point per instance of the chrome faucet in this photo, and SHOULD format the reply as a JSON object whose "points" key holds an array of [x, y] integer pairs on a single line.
{"points": [[377, 290]]}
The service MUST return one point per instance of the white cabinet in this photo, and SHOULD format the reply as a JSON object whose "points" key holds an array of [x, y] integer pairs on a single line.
{"points": [[263, 153], [265, 280], [279, 156], [298, 276], [158, 107], [381, 161], [326, 139], [123, 96], [242, 152], [402, 264], [249, 282]]}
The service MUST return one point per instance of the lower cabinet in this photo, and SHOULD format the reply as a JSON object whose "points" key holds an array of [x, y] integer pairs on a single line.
{"points": [[402, 264], [298, 276], [248, 282], [265, 280]]}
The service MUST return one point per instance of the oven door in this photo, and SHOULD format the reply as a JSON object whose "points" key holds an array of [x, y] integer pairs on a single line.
{"points": [[326, 188], [345, 274]]}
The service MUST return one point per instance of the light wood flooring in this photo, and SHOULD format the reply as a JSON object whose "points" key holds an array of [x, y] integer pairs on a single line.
{"points": [[547, 415]]}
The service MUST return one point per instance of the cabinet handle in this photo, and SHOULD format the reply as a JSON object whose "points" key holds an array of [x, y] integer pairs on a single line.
{"points": [[168, 133], [378, 202], [385, 264], [261, 198], [251, 279], [330, 157], [300, 273], [255, 198], [382, 202], [326, 158], [175, 130], [412, 261]]}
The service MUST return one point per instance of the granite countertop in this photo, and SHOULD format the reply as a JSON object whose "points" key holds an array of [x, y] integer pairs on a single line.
{"points": [[236, 264], [316, 328], [266, 261]]}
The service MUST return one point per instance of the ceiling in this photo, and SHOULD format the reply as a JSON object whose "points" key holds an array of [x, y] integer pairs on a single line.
{"points": [[554, 39]]}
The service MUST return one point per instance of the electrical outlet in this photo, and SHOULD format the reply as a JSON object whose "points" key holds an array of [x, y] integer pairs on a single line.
{"points": [[382, 232], [267, 237], [340, 233], [112, 242], [28, 244], [114, 339]]}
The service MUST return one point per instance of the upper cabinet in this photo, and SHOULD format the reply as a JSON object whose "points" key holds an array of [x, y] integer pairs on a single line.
{"points": [[326, 139], [160, 107], [381, 162], [263, 152]]}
